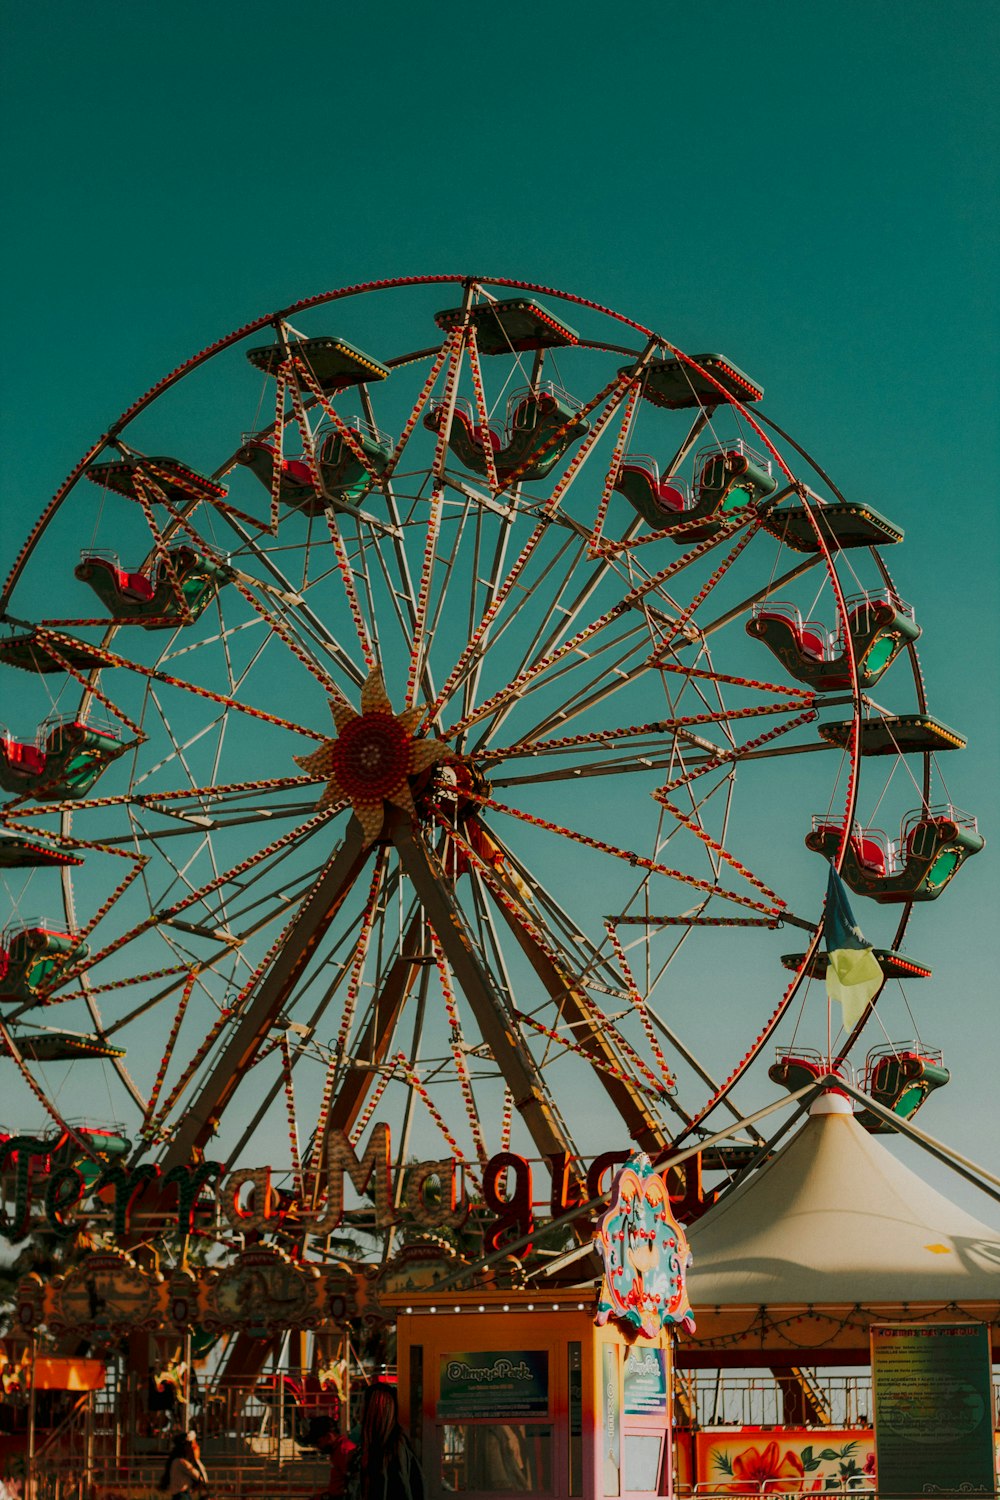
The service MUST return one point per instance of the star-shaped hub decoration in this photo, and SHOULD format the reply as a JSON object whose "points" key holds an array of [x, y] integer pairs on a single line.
{"points": [[373, 757]]}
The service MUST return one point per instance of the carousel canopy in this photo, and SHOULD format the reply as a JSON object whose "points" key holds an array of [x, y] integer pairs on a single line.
{"points": [[834, 1218]]}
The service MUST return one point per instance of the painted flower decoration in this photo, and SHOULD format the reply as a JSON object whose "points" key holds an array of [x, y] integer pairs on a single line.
{"points": [[759, 1464], [372, 758]]}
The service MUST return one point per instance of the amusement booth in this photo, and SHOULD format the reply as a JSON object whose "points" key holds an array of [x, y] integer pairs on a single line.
{"points": [[552, 1393]]}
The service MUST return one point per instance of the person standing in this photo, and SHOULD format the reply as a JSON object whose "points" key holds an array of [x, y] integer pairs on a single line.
{"points": [[385, 1466]]}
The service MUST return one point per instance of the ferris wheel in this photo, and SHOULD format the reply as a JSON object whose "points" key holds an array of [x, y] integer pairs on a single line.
{"points": [[436, 702]]}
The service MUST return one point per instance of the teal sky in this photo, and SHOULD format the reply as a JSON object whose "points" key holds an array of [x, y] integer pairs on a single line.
{"points": [[809, 189]]}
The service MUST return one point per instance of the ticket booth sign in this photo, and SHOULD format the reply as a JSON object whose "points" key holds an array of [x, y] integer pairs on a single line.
{"points": [[645, 1382], [488, 1383]]}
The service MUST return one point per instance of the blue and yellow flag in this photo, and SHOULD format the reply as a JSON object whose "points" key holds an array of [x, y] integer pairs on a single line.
{"points": [[853, 975]]}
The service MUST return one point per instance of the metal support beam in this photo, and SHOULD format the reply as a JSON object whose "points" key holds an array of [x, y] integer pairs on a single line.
{"points": [[479, 986], [252, 1029]]}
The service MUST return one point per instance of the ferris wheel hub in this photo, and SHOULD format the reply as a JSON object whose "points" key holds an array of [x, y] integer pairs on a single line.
{"points": [[373, 756]]}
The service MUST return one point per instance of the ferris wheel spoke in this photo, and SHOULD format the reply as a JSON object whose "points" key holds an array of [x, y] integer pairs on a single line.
{"points": [[226, 701], [160, 801], [636, 860], [739, 752], [575, 659], [633, 598], [600, 739], [587, 696], [659, 754], [476, 607], [489, 649], [759, 595], [614, 389], [319, 632], [171, 913], [455, 346], [402, 590], [714, 579]]}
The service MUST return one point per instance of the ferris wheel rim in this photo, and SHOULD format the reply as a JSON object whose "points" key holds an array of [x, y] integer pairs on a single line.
{"points": [[398, 283]]}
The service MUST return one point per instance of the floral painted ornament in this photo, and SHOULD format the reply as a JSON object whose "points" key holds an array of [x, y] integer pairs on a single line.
{"points": [[372, 758], [645, 1253]]}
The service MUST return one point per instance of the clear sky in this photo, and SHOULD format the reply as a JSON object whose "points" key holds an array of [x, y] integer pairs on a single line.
{"points": [[810, 189]]}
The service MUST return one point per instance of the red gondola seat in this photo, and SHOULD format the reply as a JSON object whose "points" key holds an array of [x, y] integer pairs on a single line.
{"points": [[527, 444], [933, 844], [728, 479], [880, 626], [66, 759], [157, 600]]}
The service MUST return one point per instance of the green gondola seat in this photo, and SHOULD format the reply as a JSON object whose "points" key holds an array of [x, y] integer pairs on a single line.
{"points": [[933, 843], [65, 761], [344, 476], [525, 444], [33, 953], [880, 626], [728, 480], [149, 599], [900, 1078], [178, 482], [109, 1143], [794, 1070]]}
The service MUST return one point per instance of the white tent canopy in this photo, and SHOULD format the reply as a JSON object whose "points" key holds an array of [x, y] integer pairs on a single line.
{"points": [[834, 1219]]}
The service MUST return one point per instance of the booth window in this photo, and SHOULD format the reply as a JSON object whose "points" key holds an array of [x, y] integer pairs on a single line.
{"points": [[494, 1422], [642, 1462], [503, 1458]]}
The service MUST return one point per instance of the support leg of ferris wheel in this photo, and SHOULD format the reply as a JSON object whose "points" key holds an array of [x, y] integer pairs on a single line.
{"points": [[578, 1017], [265, 1006], [487, 1003]]}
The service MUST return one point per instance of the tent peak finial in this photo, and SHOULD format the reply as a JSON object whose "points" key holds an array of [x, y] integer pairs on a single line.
{"points": [[831, 1102]]}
